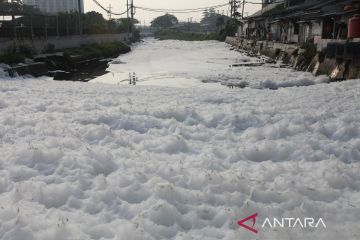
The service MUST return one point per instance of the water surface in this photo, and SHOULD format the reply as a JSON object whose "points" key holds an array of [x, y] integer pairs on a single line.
{"points": [[202, 64]]}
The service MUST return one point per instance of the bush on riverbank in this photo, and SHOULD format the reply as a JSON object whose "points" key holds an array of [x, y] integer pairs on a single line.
{"points": [[14, 55], [230, 29], [185, 36], [11, 58], [98, 50]]}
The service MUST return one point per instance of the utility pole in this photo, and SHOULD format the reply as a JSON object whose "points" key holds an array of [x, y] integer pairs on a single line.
{"points": [[243, 8], [127, 19], [132, 18], [13, 23], [234, 5], [80, 17], [231, 2], [109, 14]]}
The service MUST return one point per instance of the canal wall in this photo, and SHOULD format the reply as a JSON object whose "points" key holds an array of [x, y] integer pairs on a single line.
{"points": [[65, 64], [39, 45], [339, 61]]}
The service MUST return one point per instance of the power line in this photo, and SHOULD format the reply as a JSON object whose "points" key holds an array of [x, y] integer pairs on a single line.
{"points": [[189, 10], [265, 3], [162, 11], [107, 10]]}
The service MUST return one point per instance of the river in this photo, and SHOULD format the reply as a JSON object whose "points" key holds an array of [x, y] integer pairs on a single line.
{"points": [[105, 161], [203, 64]]}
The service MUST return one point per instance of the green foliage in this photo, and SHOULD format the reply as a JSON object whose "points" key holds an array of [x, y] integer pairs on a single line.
{"points": [[123, 24], [165, 21], [185, 36], [13, 55], [96, 51], [12, 58], [230, 29], [94, 23], [212, 21], [26, 51], [220, 21], [136, 37]]}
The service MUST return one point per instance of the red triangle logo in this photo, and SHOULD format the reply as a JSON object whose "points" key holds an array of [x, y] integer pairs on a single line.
{"points": [[253, 218]]}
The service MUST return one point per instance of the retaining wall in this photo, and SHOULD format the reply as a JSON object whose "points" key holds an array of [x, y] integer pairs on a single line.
{"points": [[64, 42], [337, 67]]}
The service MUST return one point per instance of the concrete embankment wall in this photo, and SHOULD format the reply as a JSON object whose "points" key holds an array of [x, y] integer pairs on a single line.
{"points": [[318, 61], [63, 42]]}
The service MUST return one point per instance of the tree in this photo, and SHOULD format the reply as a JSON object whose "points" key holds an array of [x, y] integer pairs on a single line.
{"points": [[165, 21], [220, 21], [125, 23], [205, 13], [94, 22], [212, 12], [230, 29], [213, 21]]}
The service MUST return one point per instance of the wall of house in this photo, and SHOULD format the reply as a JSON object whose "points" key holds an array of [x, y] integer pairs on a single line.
{"points": [[316, 30], [292, 37], [240, 31], [275, 31]]}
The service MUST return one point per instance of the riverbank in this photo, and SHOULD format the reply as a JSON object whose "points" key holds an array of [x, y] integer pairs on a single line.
{"points": [[186, 36], [63, 64], [304, 58]]}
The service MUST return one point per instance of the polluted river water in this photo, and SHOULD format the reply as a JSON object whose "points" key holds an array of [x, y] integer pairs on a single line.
{"points": [[106, 161], [206, 64]]}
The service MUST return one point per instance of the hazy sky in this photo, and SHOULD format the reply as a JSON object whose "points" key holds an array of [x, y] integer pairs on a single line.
{"points": [[120, 6]]}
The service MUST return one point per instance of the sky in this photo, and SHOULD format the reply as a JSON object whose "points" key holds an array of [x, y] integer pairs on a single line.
{"points": [[119, 6]]}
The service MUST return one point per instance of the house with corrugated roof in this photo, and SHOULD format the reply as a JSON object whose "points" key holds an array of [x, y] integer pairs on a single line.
{"points": [[300, 21]]}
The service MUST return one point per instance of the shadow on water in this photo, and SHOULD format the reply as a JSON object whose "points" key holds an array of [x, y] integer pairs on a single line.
{"points": [[83, 72]]}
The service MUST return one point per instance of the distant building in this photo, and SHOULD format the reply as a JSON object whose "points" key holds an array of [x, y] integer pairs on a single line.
{"points": [[56, 6]]}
